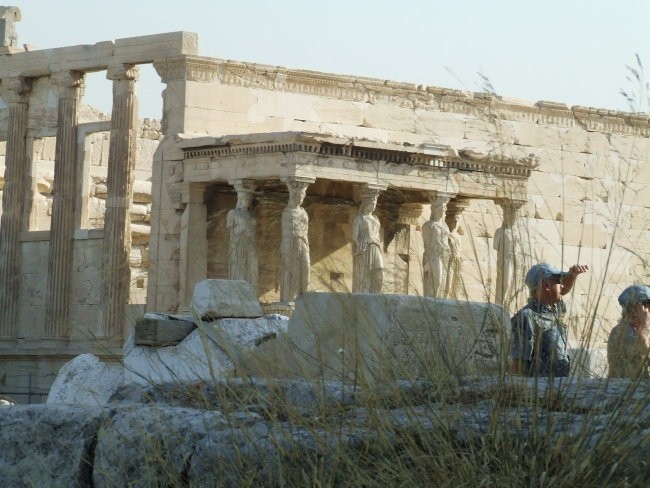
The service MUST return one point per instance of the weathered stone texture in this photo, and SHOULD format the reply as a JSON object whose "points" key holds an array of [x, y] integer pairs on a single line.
{"points": [[227, 431]]}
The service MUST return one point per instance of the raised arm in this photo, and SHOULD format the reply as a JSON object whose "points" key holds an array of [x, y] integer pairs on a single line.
{"points": [[569, 280]]}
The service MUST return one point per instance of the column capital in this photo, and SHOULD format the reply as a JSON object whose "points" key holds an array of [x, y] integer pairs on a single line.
{"points": [[117, 72], [67, 81], [15, 89], [298, 181], [368, 190], [243, 185], [513, 204], [437, 196]]}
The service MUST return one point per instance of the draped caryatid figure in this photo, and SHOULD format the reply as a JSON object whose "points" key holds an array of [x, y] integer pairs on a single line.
{"points": [[511, 257], [242, 249], [454, 285], [437, 251], [367, 257], [294, 247]]}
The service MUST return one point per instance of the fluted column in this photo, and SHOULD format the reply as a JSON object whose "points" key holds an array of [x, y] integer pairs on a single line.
{"points": [[119, 184], [14, 92], [59, 270], [512, 258]]}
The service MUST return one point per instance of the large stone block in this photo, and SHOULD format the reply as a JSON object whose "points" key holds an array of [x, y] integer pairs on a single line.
{"points": [[85, 380], [371, 337], [385, 116], [527, 134], [214, 299]]}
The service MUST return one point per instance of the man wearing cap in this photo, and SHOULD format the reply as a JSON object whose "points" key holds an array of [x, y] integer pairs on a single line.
{"points": [[539, 339], [629, 341]]}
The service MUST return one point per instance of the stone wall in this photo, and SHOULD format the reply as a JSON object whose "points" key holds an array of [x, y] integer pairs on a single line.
{"points": [[586, 200]]}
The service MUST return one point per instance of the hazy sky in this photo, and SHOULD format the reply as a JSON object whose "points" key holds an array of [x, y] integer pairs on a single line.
{"points": [[571, 51]]}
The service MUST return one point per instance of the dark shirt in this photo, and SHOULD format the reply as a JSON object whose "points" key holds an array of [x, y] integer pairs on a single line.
{"points": [[540, 340]]}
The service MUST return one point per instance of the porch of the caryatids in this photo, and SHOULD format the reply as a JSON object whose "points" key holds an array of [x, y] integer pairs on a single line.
{"points": [[15, 93], [70, 86], [294, 247], [437, 250], [119, 183], [512, 259], [454, 282], [241, 224], [367, 253]]}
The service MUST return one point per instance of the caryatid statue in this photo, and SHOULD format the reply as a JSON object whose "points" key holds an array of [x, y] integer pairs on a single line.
{"points": [[511, 258], [294, 248], [454, 272], [367, 257], [437, 251], [242, 249]]}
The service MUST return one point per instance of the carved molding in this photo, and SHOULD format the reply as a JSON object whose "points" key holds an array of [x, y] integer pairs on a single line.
{"points": [[186, 68], [15, 89], [517, 168]]}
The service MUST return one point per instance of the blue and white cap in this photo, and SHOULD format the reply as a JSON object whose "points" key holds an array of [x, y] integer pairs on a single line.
{"points": [[634, 294], [541, 272]]}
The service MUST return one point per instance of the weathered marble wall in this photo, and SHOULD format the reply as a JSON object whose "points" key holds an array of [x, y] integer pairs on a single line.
{"points": [[586, 200]]}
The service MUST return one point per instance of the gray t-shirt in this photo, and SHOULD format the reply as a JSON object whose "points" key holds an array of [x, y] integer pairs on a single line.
{"points": [[540, 339]]}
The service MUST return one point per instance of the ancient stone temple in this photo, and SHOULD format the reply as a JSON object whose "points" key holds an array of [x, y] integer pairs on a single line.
{"points": [[294, 181]]}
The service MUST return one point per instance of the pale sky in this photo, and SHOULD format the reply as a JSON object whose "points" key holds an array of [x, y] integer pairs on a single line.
{"points": [[570, 51]]}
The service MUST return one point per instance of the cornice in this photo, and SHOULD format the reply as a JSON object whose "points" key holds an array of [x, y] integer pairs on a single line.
{"points": [[369, 151]]}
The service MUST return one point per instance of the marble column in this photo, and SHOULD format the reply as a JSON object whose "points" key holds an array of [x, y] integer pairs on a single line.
{"points": [[193, 262], [16, 186], [367, 252], [454, 288], [119, 183], [294, 248], [409, 220], [59, 271], [512, 261]]}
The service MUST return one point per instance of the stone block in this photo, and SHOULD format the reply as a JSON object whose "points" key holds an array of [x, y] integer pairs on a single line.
{"points": [[160, 332], [234, 99], [527, 134], [342, 112], [371, 337], [85, 380], [494, 130], [585, 235], [581, 141], [146, 49], [629, 147], [385, 116], [214, 299]]}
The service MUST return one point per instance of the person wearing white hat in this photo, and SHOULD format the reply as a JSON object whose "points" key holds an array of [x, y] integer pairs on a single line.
{"points": [[539, 339], [629, 341]]}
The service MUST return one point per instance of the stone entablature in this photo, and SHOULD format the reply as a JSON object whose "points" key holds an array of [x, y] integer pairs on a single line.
{"points": [[427, 168], [409, 95]]}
